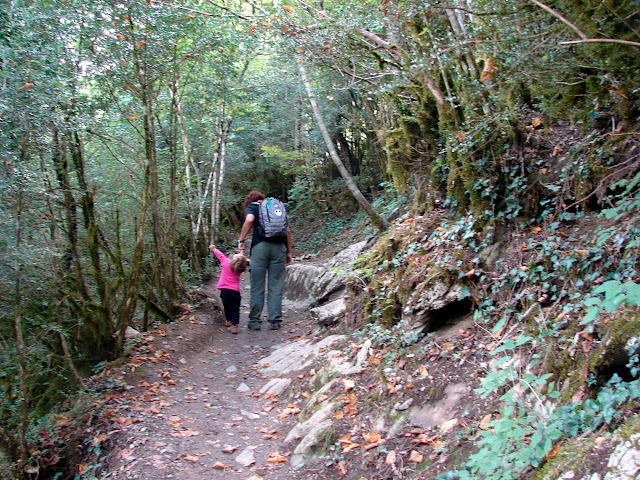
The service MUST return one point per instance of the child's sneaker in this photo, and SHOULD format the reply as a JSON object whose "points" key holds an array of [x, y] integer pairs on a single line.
{"points": [[233, 329]]}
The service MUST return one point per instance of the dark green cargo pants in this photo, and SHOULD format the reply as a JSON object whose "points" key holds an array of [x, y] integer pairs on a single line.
{"points": [[268, 262]]}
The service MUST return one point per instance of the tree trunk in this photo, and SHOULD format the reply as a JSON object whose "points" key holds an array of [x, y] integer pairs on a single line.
{"points": [[102, 331], [376, 219], [219, 178], [23, 403]]}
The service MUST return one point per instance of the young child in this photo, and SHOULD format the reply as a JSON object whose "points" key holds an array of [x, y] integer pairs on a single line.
{"points": [[229, 285]]}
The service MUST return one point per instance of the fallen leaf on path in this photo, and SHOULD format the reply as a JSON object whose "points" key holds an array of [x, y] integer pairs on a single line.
{"points": [[185, 433], [191, 458], [290, 410], [275, 457], [553, 452], [339, 414], [485, 420], [416, 457], [342, 469], [124, 454], [220, 465], [391, 458], [372, 437], [448, 425]]}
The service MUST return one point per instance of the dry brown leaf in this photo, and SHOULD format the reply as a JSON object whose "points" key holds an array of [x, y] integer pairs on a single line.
{"points": [[342, 469], [485, 420], [275, 457], [448, 425], [374, 360], [416, 457], [500, 332], [488, 71], [229, 449], [126, 453], [185, 433], [553, 452], [339, 414], [352, 410], [191, 458], [220, 465], [372, 437], [391, 458]]}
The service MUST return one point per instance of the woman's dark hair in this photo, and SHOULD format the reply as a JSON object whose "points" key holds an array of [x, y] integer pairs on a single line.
{"points": [[253, 196]]}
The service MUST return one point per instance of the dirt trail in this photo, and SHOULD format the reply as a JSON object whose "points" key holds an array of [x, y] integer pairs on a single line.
{"points": [[198, 408]]}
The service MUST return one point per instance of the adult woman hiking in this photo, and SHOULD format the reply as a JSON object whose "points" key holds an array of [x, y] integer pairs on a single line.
{"points": [[270, 254]]}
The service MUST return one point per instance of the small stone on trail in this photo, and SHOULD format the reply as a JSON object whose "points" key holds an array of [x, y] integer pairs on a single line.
{"points": [[243, 388], [246, 458], [232, 369], [249, 415]]}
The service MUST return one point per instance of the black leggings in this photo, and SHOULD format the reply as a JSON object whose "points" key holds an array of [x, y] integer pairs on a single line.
{"points": [[231, 302]]}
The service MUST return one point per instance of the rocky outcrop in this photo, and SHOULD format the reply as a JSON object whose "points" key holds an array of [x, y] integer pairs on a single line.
{"points": [[314, 285]]}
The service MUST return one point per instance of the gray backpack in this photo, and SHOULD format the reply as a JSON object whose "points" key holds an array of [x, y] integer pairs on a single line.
{"points": [[273, 217]]}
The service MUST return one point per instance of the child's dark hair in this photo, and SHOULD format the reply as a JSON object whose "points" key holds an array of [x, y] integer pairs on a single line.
{"points": [[238, 263]]}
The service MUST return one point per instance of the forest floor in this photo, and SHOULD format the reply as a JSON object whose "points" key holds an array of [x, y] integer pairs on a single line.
{"points": [[192, 407]]}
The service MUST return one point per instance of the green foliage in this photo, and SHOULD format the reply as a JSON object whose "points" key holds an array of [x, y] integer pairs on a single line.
{"points": [[522, 436], [615, 294]]}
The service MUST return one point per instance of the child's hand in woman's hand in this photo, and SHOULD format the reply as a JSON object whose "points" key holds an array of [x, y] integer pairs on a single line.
{"points": [[212, 247]]}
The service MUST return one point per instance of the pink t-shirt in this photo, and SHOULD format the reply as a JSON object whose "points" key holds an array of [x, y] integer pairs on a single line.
{"points": [[227, 279]]}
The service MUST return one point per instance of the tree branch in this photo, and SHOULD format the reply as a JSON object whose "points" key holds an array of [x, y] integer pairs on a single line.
{"points": [[561, 18], [601, 40]]}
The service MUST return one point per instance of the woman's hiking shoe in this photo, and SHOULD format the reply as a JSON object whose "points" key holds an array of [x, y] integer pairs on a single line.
{"points": [[233, 329], [275, 326], [253, 327]]}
